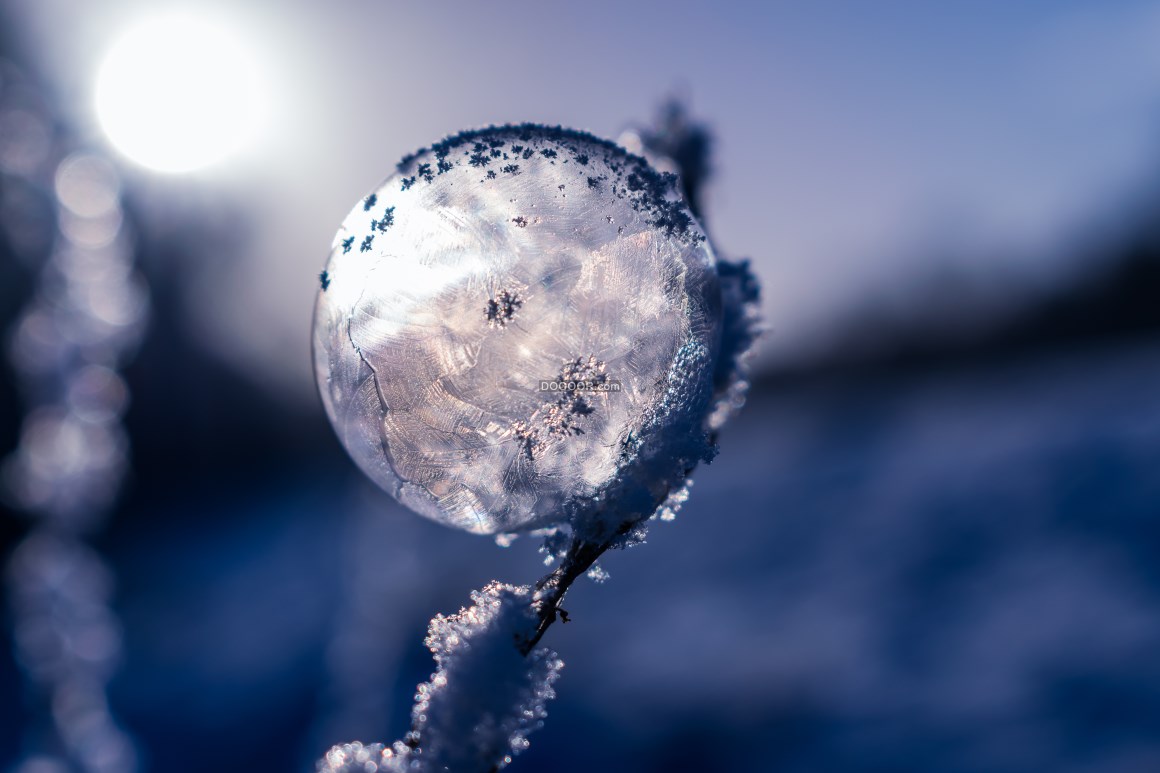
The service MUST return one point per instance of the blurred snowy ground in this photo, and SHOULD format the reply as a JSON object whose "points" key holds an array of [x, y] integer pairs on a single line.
{"points": [[927, 570]]}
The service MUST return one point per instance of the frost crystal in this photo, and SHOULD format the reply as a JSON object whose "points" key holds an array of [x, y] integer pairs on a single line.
{"points": [[672, 505], [355, 757], [597, 574], [492, 271]]}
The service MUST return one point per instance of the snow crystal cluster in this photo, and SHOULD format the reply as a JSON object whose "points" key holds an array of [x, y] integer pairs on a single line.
{"points": [[356, 757], [483, 700]]}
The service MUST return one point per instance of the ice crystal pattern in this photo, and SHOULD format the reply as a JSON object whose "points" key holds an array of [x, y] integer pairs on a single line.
{"points": [[487, 264]]}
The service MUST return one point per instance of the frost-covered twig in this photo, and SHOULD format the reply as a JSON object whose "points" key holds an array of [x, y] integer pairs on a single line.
{"points": [[412, 387]]}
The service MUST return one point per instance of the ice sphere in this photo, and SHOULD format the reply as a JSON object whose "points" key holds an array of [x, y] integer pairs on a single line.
{"points": [[518, 327]]}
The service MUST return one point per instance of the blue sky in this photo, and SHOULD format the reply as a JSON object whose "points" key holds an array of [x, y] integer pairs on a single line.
{"points": [[862, 147]]}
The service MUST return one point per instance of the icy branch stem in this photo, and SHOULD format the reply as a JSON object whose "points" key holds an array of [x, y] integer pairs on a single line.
{"points": [[552, 587]]}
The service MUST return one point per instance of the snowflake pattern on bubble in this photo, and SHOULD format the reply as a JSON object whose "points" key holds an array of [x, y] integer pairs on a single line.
{"points": [[490, 271]]}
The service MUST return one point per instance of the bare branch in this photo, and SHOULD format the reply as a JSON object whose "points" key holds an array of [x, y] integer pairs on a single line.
{"points": [[552, 587]]}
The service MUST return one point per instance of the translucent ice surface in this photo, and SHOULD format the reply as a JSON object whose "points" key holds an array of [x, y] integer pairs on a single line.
{"points": [[467, 297]]}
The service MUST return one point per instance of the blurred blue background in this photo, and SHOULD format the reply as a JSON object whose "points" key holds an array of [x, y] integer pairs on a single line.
{"points": [[929, 543]]}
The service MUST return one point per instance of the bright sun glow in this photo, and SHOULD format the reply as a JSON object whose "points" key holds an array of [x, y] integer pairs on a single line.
{"points": [[178, 93]]}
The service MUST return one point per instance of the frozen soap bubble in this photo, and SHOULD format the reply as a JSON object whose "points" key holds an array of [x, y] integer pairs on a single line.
{"points": [[519, 328]]}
